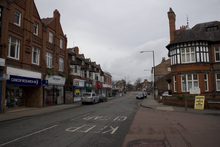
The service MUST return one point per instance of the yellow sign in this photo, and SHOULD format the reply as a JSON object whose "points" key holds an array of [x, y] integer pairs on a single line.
{"points": [[77, 91], [199, 102]]}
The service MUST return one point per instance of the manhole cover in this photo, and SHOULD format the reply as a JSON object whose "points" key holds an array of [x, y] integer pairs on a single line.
{"points": [[146, 143]]}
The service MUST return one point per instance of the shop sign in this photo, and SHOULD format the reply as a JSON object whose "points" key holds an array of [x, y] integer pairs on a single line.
{"points": [[78, 83], [77, 91], [6, 76], [56, 80], [88, 85], [2, 62], [45, 83], [199, 102], [17, 80]]}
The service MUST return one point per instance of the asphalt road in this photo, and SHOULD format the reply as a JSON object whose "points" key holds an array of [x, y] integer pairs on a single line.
{"points": [[99, 125]]}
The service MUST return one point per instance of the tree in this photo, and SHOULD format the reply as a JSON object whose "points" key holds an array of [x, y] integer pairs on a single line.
{"points": [[138, 84]]}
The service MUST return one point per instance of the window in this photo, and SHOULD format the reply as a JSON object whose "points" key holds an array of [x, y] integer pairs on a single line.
{"points": [[168, 69], [61, 64], [191, 81], [75, 68], [218, 81], [73, 58], [49, 59], [17, 18], [206, 82], [174, 83], [188, 55], [217, 54], [35, 55], [61, 43], [50, 37], [14, 48], [35, 28]]}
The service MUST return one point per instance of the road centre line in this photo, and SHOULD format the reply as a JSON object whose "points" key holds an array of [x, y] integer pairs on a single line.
{"points": [[79, 117], [28, 135]]}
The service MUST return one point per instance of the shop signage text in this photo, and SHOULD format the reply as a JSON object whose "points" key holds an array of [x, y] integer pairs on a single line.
{"points": [[24, 81]]}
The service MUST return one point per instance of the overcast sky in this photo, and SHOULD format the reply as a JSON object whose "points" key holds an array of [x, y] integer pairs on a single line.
{"points": [[113, 32]]}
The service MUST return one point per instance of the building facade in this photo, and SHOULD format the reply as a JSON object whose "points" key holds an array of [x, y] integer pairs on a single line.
{"points": [[195, 57]]}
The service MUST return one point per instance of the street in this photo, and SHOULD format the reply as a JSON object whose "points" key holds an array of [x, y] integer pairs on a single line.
{"points": [[120, 122], [102, 124]]}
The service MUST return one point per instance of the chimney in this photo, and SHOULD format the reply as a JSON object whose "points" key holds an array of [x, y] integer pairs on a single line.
{"points": [[76, 50], [172, 20], [163, 59]]}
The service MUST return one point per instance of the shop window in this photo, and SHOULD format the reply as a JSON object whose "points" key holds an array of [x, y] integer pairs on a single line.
{"points": [[60, 64], [14, 48], [50, 37], [49, 59], [191, 81], [53, 95], [14, 97], [35, 55], [17, 18], [35, 28]]}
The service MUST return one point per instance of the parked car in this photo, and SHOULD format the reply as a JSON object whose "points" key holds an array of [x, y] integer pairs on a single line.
{"points": [[103, 98], [148, 92], [140, 95], [166, 94], [89, 97]]}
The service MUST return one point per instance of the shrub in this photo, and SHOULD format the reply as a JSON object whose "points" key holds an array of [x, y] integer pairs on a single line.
{"points": [[180, 97]]}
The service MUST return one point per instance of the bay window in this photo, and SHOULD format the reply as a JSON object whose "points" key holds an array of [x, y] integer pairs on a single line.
{"points": [[191, 81]]}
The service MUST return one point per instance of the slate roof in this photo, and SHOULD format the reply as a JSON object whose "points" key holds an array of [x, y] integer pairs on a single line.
{"points": [[198, 33]]}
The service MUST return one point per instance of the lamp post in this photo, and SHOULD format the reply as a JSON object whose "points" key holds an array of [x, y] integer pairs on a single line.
{"points": [[153, 70]]}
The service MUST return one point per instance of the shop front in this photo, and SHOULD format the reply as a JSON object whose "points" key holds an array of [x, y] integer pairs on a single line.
{"points": [[99, 87], [54, 92], [88, 85], [78, 89], [107, 89], [23, 89]]}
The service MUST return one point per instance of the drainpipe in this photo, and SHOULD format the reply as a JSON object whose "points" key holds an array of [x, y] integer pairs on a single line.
{"points": [[213, 74]]}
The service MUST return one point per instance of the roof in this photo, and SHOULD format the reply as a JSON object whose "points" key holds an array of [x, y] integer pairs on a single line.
{"points": [[198, 33], [46, 20]]}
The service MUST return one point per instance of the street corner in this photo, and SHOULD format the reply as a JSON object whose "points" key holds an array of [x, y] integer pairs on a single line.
{"points": [[146, 143]]}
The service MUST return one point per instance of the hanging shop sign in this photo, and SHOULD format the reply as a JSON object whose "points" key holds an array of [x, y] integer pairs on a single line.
{"points": [[18, 80], [2, 62], [77, 91], [45, 83]]}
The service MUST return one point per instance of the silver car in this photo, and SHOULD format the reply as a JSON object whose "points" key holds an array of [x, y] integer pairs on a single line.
{"points": [[89, 97]]}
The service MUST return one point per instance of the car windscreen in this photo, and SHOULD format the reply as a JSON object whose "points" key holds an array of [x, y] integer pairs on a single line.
{"points": [[139, 94], [86, 94]]}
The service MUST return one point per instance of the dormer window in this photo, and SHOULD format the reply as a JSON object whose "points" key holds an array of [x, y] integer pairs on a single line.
{"points": [[212, 28]]}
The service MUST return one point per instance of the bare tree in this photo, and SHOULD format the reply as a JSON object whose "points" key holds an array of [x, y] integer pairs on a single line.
{"points": [[138, 84]]}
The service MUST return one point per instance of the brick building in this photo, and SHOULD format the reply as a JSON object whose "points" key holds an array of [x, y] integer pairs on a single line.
{"points": [[162, 76], [33, 51], [195, 56]]}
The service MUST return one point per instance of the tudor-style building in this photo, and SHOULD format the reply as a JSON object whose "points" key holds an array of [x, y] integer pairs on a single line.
{"points": [[195, 56]]}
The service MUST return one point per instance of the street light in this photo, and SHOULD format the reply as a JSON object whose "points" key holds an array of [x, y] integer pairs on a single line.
{"points": [[153, 69]]}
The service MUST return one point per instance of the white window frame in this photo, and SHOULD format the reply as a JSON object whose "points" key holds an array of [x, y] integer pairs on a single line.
{"points": [[50, 37], [17, 48], [206, 79], [188, 56], [61, 63], [174, 83], [61, 43], [18, 15], [36, 26], [49, 58], [35, 55], [217, 80], [217, 52], [187, 81]]}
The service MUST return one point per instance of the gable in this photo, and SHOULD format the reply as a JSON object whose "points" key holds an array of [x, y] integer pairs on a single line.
{"points": [[35, 11]]}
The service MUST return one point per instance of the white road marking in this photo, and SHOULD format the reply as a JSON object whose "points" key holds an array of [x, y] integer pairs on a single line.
{"points": [[120, 118], [75, 128], [28, 135], [112, 130], [79, 117]]}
